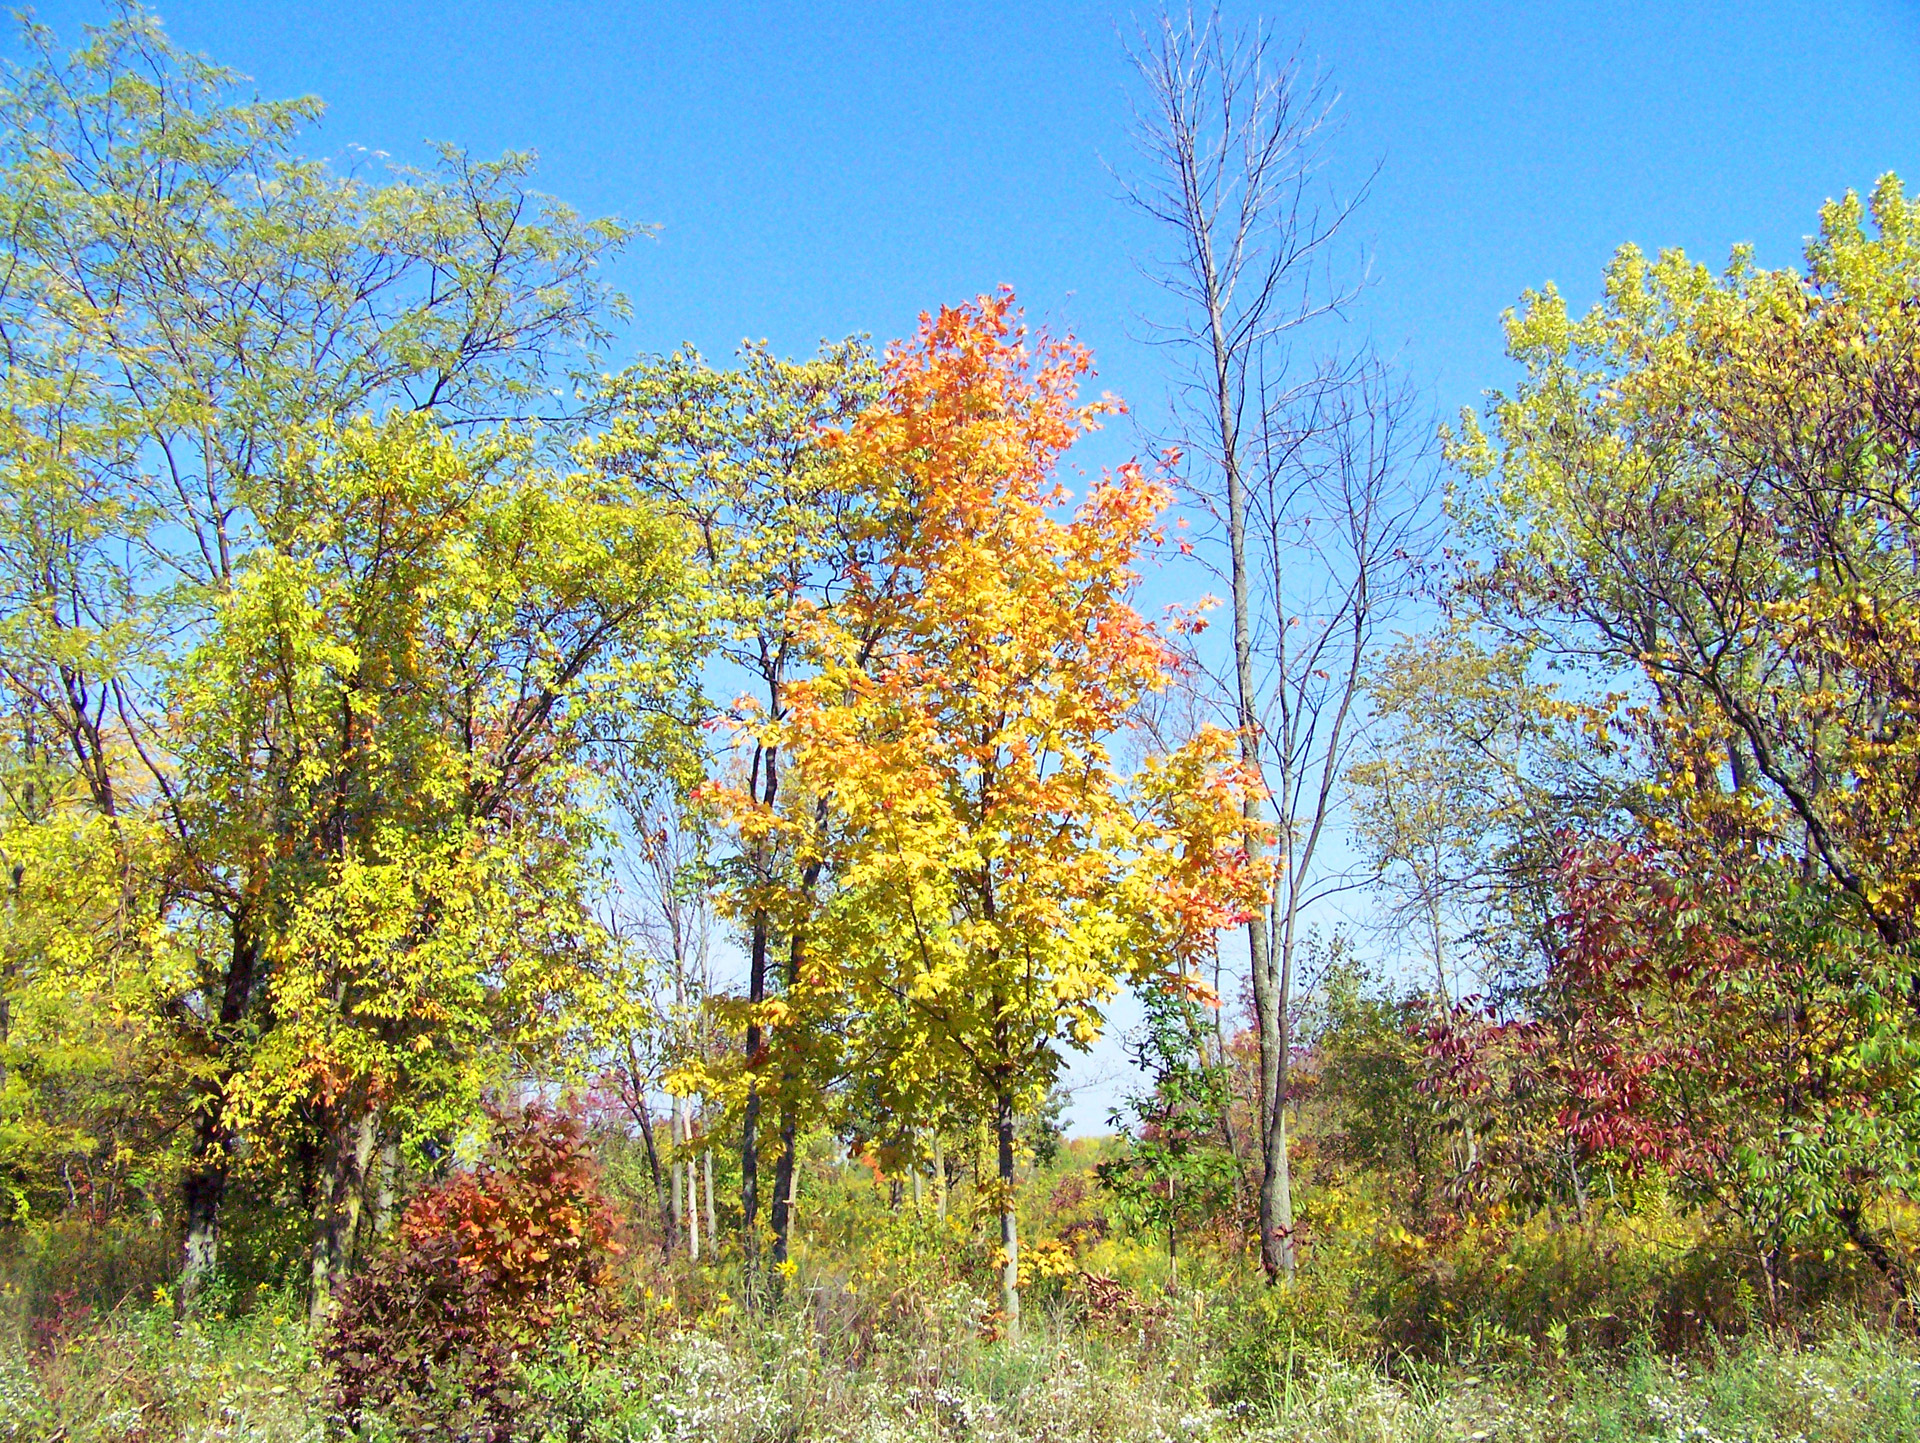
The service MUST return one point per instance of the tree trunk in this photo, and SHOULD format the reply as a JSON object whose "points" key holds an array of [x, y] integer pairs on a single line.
{"points": [[388, 1189], [203, 1189], [939, 1177], [1878, 1253], [693, 1201], [1277, 1254], [783, 1183], [1277, 1181], [767, 769], [750, 1114], [783, 1176], [681, 1174], [203, 1184], [1276, 1201], [1269, 1005], [350, 1151], [713, 1226], [1009, 1221], [669, 1235], [1276, 1196]]}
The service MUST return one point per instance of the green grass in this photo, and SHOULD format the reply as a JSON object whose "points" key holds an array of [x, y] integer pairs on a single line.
{"points": [[921, 1371]]}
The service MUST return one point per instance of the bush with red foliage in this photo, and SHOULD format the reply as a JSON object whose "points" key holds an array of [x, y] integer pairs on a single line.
{"points": [[484, 1269], [1747, 1037]]}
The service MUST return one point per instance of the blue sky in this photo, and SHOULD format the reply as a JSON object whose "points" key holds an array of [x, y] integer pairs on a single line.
{"points": [[821, 169], [818, 170]]}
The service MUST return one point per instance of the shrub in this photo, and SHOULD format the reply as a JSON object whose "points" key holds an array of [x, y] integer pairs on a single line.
{"points": [[488, 1271], [1260, 1338], [54, 1266], [1672, 1281]]}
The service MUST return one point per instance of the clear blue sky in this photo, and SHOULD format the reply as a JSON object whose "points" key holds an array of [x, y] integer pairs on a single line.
{"points": [[820, 169], [817, 170]]}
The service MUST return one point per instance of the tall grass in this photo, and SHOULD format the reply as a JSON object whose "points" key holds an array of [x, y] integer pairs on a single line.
{"points": [[889, 1368]]}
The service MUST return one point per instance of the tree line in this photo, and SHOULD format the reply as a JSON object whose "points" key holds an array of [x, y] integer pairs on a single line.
{"points": [[404, 709]]}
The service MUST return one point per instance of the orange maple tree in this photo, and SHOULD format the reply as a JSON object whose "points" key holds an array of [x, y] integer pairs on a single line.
{"points": [[994, 873]]}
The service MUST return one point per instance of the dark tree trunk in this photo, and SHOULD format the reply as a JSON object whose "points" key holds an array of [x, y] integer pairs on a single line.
{"points": [[1876, 1251], [203, 1185], [783, 1180], [203, 1189], [353, 1131], [388, 1190], [783, 1177], [669, 1225], [750, 1114]]}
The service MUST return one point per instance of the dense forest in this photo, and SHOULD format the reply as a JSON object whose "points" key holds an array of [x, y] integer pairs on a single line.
{"points": [[554, 896]]}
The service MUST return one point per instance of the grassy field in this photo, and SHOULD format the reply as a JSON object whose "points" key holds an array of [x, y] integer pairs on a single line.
{"points": [[920, 1368]]}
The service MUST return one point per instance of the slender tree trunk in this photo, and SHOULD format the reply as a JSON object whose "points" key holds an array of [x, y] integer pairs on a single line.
{"points": [[668, 1208], [783, 1183], [1009, 1220], [783, 1175], [979, 1174], [767, 769], [1269, 1005], [203, 1184], [680, 1170], [1277, 1253], [1276, 1223], [750, 1114], [691, 1216], [693, 1211], [350, 1150], [706, 1162], [939, 1176]]}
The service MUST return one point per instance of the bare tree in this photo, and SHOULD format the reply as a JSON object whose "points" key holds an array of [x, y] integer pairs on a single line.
{"points": [[1303, 465], [1341, 514]]}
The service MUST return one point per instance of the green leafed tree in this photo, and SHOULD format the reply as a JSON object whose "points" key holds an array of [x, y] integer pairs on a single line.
{"points": [[782, 531], [295, 571]]}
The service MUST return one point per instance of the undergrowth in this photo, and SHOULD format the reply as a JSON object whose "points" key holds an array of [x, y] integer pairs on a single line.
{"points": [[926, 1368]]}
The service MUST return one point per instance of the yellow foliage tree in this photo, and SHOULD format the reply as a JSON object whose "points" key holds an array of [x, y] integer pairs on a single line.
{"points": [[994, 874]]}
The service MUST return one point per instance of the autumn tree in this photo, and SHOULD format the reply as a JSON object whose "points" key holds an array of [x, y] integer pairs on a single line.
{"points": [[384, 737], [1700, 493], [994, 875], [1310, 464], [196, 318], [1703, 482], [736, 454]]}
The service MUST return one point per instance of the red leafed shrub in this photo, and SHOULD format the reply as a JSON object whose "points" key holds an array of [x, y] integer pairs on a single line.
{"points": [[484, 1269]]}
